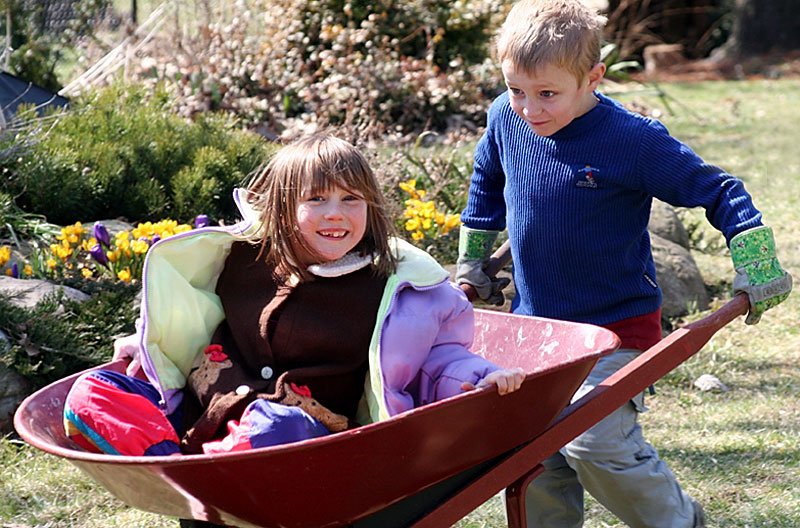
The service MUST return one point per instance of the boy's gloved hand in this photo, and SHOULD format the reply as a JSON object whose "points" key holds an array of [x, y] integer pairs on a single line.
{"points": [[474, 249], [758, 272]]}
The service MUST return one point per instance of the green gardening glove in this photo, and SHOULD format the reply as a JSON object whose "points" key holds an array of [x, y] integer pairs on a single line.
{"points": [[758, 272], [474, 249]]}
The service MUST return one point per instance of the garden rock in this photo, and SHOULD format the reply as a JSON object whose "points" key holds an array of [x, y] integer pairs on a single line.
{"points": [[113, 226], [665, 223], [27, 293], [662, 57], [710, 383], [676, 271], [679, 278]]}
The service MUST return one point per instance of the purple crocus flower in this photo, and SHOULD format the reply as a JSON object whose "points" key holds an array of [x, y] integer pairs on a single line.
{"points": [[101, 234], [99, 255], [201, 221], [15, 271], [155, 239]]}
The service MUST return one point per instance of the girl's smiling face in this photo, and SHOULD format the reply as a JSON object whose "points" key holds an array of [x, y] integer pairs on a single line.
{"points": [[332, 222]]}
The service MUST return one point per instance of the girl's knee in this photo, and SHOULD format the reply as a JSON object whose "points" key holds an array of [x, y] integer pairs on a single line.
{"points": [[265, 423], [111, 413]]}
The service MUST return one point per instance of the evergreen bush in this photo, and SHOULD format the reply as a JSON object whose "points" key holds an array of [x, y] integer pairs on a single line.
{"points": [[58, 337], [122, 152]]}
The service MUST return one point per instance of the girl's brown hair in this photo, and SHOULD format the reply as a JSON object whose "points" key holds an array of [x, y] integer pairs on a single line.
{"points": [[316, 163]]}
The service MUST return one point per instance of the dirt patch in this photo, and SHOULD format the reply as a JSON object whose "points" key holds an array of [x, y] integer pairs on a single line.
{"points": [[772, 66]]}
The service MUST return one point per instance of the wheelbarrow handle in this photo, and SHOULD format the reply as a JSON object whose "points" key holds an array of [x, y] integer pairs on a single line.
{"points": [[636, 376], [579, 416], [497, 261]]}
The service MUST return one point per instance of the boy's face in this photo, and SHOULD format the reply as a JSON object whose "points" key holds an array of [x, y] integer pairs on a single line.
{"points": [[549, 99]]}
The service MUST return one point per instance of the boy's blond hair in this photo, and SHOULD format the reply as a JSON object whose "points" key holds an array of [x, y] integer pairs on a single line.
{"points": [[316, 163], [564, 33]]}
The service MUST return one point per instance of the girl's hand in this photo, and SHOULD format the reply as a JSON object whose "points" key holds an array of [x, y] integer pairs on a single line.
{"points": [[506, 380], [125, 348]]}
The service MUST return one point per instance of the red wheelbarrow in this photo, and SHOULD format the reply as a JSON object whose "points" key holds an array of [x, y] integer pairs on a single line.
{"points": [[428, 467]]}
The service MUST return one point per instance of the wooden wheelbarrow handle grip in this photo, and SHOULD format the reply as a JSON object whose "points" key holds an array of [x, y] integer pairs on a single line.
{"points": [[497, 261]]}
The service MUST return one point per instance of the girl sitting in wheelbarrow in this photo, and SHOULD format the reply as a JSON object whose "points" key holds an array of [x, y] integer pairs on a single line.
{"points": [[304, 319]]}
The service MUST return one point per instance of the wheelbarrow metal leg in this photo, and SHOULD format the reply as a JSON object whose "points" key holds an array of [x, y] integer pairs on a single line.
{"points": [[515, 498]]}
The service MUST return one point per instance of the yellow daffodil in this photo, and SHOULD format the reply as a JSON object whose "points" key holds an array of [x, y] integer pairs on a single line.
{"points": [[143, 230], [71, 234], [122, 240], [86, 245], [422, 217], [451, 222], [412, 224], [64, 252], [408, 186], [140, 247]]}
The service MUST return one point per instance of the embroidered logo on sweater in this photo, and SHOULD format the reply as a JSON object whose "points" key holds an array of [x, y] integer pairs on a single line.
{"points": [[587, 177]]}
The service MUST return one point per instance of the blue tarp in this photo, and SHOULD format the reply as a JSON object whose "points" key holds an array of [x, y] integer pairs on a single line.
{"points": [[14, 91]]}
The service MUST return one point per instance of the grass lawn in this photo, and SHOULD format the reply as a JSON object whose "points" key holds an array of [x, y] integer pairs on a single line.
{"points": [[737, 452]]}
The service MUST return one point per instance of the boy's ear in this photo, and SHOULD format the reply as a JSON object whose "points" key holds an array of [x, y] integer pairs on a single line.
{"points": [[596, 75]]}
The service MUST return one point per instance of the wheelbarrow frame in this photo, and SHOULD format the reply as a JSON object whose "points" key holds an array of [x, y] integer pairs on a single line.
{"points": [[609, 395]]}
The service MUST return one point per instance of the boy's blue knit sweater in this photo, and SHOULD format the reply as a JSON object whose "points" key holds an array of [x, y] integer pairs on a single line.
{"points": [[577, 204]]}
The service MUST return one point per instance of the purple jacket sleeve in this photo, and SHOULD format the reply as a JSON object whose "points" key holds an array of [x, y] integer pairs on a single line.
{"points": [[425, 345]]}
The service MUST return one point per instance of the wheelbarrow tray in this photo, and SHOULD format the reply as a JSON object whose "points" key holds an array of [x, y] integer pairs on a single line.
{"points": [[342, 478]]}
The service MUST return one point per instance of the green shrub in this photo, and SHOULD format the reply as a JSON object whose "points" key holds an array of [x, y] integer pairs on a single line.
{"points": [[199, 186], [59, 337], [443, 173], [123, 152]]}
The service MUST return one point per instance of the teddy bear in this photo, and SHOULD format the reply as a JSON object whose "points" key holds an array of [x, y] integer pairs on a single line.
{"points": [[287, 393]]}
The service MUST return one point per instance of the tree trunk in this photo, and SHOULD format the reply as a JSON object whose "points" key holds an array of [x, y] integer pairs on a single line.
{"points": [[763, 26]]}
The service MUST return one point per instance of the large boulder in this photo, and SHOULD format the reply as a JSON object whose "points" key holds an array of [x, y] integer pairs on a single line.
{"points": [[664, 222], [676, 270], [679, 278], [27, 293]]}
